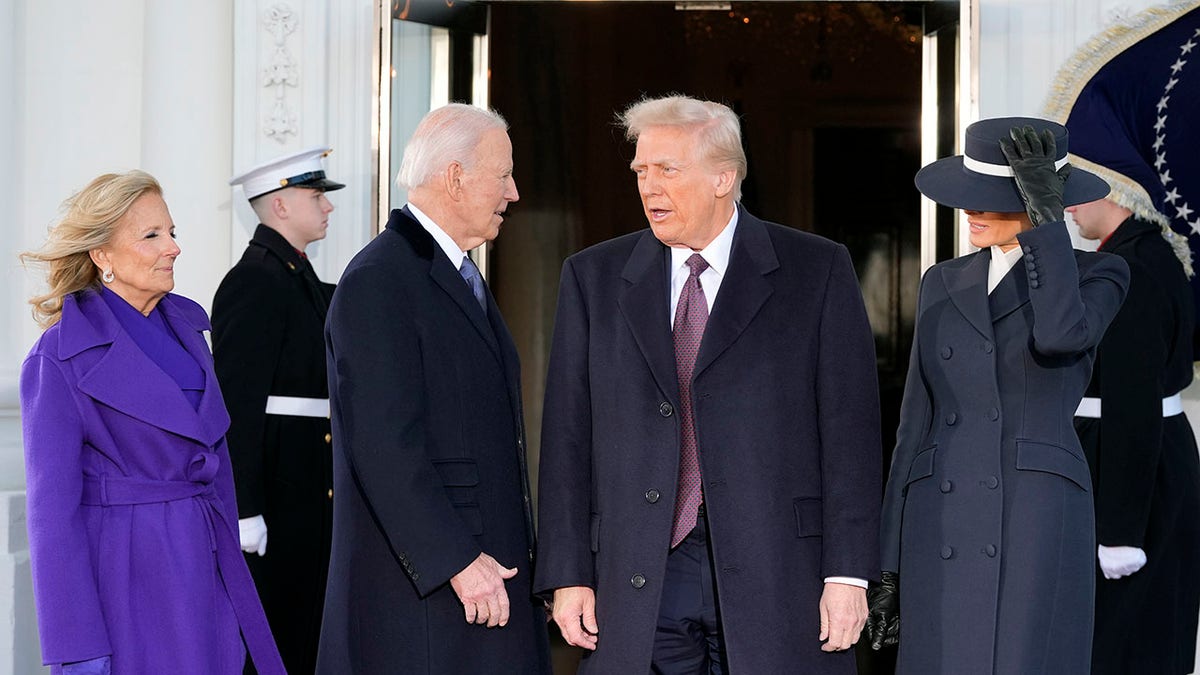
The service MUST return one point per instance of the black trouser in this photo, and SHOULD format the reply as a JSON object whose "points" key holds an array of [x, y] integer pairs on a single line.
{"points": [[688, 639]]}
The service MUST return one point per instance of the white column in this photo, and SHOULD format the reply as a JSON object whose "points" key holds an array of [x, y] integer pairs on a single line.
{"points": [[186, 131]]}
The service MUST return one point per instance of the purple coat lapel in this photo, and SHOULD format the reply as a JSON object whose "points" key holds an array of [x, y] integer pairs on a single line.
{"points": [[125, 379]]}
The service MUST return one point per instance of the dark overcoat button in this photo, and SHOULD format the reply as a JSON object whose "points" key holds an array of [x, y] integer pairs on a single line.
{"points": [[947, 352], [947, 486], [638, 581], [993, 414], [990, 550], [992, 482], [947, 552], [652, 495], [665, 409], [987, 347], [951, 418], [1033, 283]]}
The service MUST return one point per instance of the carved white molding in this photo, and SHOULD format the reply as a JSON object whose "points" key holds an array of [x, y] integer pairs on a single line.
{"points": [[280, 72]]}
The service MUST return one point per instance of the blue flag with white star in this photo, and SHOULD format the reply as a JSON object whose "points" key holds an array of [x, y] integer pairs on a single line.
{"points": [[1130, 98]]}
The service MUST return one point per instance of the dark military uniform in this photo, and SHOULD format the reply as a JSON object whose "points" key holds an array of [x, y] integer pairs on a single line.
{"points": [[1144, 465], [268, 324]]}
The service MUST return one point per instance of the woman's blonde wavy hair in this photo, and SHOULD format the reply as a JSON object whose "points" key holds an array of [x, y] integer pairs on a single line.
{"points": [[88, 223]]}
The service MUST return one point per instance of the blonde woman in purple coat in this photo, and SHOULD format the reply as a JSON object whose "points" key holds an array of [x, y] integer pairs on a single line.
{"points": [[131, 513]]}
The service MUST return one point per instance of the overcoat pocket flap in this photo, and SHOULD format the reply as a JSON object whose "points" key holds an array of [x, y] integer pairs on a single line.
{"points": [[808, 516], [922, 465], [1035, 456], [457, 472]]}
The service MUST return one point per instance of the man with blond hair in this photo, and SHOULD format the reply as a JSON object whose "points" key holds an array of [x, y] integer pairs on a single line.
{"points": [[432, 531], [710, 467]]}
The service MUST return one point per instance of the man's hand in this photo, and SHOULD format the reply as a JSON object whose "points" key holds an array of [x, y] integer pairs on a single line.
{"points": [[575, 614], [843, 614], [480, 588], [252, 532]]}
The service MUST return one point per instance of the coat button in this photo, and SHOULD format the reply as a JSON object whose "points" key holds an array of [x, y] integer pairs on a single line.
{"points": [[987, 347], [665, 409], [652, 495], [947, 352], [328, 438], [951, 418], [1029, 263], [947, 486], [1033, 274], [990, 550], [329, 494], [947, 553], [638, 581], [993, 414], [1033, 283], [1027, 248], [992, 482]]}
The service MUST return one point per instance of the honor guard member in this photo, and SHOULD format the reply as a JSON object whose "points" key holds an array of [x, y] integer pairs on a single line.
{"points": [[268, 320]]}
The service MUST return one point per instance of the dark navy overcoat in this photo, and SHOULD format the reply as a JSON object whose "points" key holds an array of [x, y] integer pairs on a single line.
{"points": [[429, 469], [987, 516], [787, 422]]}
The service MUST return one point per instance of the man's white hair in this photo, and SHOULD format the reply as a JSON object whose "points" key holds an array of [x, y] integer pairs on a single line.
{"points": [[447, 134]]}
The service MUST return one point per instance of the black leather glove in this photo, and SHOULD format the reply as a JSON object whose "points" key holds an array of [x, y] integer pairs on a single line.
{"points": [[1032, 160], [883, 619]]}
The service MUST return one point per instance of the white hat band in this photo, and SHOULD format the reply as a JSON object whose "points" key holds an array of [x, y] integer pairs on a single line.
{"points": [[1001, 170]]}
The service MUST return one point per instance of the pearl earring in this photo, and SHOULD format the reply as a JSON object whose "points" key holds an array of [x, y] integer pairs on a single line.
{"points": [[107, 277]]}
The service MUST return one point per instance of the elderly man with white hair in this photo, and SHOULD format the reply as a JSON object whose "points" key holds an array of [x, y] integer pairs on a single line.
{"points": [[432, 533]]}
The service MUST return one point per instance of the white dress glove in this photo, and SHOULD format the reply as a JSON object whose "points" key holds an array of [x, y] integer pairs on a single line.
{"points": [[253, 533], [1120, 561]]}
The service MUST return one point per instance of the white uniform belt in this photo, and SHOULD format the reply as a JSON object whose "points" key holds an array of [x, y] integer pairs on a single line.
{"points": [[297, 406], [1090, 407]]}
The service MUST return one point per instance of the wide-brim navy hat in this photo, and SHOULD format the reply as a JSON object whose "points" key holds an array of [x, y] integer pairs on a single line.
{"points": [[981, 180]]}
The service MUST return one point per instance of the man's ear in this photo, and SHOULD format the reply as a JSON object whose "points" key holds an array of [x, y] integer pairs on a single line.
{"points": [[279, 206], [453, 177], [724, 182]]}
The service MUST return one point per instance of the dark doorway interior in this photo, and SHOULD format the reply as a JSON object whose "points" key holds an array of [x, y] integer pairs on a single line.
{"points": [[829, 94]]}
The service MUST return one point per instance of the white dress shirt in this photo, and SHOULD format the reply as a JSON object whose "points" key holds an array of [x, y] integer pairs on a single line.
{"points": [[444, 242], [716, 254], [1001, 264]]}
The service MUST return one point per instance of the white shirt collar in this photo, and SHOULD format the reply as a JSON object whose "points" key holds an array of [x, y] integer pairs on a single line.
{"points": [[1001, 263], [444, 241], [716, 254]]}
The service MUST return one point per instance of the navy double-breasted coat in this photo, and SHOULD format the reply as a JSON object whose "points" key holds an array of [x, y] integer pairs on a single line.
{"points": [[987, 515], [787, 422], [429, 469]]}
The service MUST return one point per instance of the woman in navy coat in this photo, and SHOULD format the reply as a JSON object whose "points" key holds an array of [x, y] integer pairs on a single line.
{"points": [[131, 512], [987, 514]]}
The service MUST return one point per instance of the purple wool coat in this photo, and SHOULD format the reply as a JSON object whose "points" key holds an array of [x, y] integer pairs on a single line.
{"points": [[131, 510]]}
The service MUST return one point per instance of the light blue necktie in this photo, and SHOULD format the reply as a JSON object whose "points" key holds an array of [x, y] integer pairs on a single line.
{"points": [[470, 274]]}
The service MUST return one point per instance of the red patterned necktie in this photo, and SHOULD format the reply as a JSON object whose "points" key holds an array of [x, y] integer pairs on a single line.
{"points": [[691, 314]]}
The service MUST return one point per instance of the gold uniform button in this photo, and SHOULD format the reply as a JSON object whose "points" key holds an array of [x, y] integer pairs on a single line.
{"points": [[330, 493], [328, 438]]}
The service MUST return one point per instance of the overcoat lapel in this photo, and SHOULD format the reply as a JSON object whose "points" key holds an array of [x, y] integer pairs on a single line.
{"points": [[125, 379], [213, 415], [967, 287], [644, 303], [444, 274], [743, 290]]}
